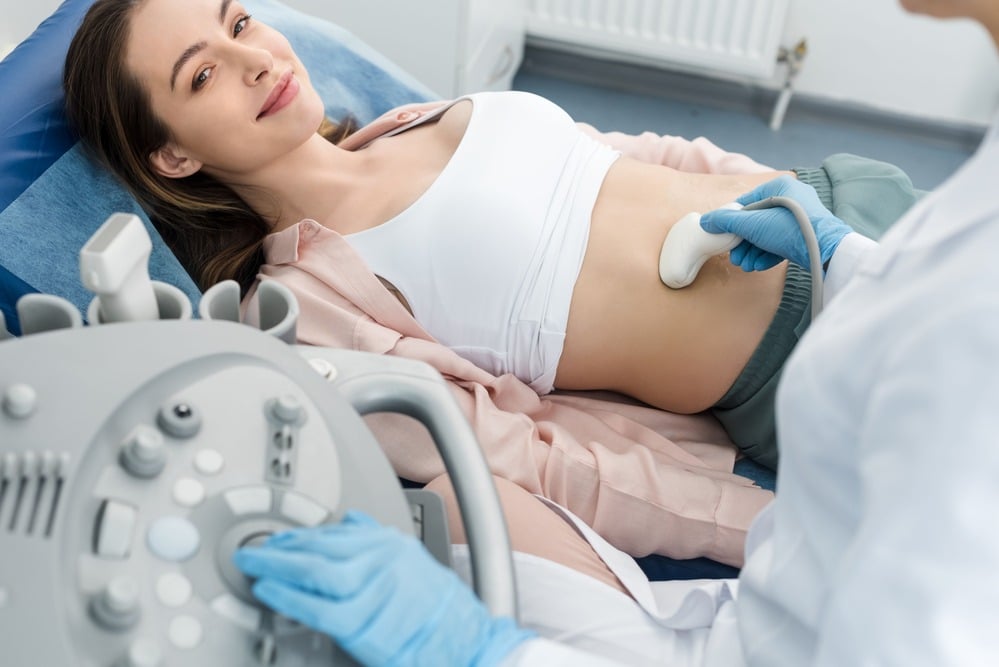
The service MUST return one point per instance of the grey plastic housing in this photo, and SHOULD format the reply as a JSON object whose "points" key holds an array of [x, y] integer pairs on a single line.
{"points": [[171, 304], [255, 441], [273, 308], [414, 388], [45, 312]]}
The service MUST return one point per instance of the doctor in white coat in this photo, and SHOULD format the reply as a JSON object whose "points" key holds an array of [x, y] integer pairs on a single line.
{"points": [[881, 547]]}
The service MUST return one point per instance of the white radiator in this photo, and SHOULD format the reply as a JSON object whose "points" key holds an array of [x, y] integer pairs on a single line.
{"points": [[734, 37]]}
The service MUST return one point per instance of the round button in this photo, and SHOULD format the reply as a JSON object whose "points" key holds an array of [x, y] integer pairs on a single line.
{"points": [[287, 408], [180, 419], [208, 462], [173, 589], [188, 492], [143, 453], [117, 605], [122, 594], [143, 653], [173, 538], [19, 401], [185, 632]]}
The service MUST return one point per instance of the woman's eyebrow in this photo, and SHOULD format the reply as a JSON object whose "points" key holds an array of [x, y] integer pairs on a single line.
{"points": [[184, 57], [191, 51]]}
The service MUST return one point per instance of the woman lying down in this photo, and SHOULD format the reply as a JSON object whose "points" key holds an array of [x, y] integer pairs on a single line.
{"points": [[511, 248]]}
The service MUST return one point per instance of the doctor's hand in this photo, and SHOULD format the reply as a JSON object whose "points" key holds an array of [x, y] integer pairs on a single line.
{"points": [[772, 235], [379, 594]]}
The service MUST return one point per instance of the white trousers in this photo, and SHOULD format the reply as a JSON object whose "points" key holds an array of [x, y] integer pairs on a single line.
{"points": [[660, 623]]}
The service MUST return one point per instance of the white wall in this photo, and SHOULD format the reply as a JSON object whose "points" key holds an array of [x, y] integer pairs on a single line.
{"points": [[861, 52], [18, 19], [872, 53]]}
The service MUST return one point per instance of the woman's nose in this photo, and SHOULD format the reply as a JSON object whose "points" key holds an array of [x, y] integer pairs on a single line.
{"points": [[256, 64]]}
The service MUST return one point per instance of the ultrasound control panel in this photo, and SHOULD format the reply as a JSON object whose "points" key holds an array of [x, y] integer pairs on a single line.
{"points": [[136, 457]]}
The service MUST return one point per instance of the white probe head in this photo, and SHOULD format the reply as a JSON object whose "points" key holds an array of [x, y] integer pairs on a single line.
{"points": [[688, 246], [115, 250], [114, 265]]}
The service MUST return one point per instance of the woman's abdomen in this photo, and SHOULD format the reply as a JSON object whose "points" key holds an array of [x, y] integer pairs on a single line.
{"points": [[679, 350]]}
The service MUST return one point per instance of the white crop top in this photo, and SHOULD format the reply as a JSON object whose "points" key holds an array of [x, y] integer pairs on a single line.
{"points": [[488, 256]]}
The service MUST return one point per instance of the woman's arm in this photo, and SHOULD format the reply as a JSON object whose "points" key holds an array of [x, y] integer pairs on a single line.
{"points": [[692, 155]]}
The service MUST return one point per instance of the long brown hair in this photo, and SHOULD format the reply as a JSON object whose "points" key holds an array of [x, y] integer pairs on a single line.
{"points": [[211, 230]]}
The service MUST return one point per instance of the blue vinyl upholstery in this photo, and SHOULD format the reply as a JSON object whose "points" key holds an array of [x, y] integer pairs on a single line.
{"points": [[53, 196]]}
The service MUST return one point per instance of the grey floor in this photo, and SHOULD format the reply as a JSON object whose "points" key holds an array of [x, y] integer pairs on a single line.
{"points": [[615, 100]]}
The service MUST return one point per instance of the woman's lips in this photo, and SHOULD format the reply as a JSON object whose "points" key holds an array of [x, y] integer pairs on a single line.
{"points": [[283, 93]]}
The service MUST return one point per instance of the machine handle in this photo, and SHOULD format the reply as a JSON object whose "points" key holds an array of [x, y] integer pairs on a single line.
{"points": [[377, 383]]}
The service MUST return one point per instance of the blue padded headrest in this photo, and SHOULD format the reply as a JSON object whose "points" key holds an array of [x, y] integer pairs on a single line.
{"points": [[53, 197], [33, 130]]}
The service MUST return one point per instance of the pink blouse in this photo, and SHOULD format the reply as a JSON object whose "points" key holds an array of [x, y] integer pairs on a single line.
{"points": [[647, 480]]}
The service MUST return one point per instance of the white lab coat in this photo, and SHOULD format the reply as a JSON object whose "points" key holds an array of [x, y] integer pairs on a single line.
{"points": [[882, 547]]}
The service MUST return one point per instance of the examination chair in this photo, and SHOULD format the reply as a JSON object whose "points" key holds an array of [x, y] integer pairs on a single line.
{"points": [[53, 197]]}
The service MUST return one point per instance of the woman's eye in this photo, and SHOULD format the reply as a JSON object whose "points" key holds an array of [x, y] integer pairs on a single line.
{"points": [[201, 78], [240, 25]]}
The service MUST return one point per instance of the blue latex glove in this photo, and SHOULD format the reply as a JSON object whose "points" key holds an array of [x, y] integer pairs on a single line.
{"points": [[379, 594], [772, 235]]}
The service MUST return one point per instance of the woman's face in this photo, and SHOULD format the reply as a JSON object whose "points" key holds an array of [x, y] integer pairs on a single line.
{"points": [[230, 89]]}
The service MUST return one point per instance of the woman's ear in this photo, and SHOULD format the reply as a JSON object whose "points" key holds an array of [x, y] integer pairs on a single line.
{"points": [[171, 162]]}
